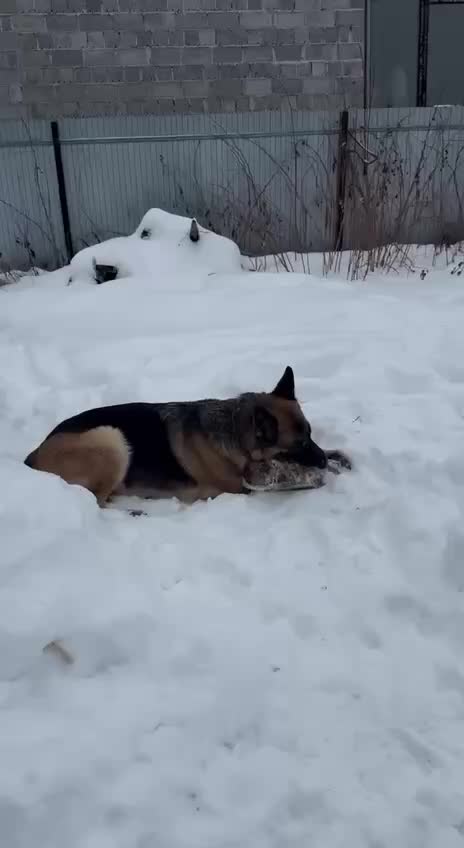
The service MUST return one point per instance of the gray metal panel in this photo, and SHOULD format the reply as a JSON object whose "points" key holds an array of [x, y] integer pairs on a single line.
{"points": [[31, 231], [265, 191], [268, 180], [446, 56]]}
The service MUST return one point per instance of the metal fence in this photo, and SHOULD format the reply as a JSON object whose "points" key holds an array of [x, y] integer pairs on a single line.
{"points": [[272, 181]]}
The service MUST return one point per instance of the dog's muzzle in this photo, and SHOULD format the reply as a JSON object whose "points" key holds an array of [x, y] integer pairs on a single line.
{"points": [[307, 453], [314, 456]]}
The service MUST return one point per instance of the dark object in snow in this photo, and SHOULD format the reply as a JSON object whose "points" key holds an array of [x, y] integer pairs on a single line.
{"points": [[283, 474], [105, 273], [337, 461], [194, 232], [57, 649], [145, 234]]}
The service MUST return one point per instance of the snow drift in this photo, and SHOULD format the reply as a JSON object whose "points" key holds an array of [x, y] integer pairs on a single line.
{"points": [[274, 671]]}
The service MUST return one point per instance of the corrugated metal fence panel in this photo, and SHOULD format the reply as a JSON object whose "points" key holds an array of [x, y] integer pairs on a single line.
{"points": [[248, 188], [405, 181], [31, 230], [268, 180]]}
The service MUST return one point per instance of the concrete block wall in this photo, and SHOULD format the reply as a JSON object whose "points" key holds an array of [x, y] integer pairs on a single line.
{"points": [[66, 58]]}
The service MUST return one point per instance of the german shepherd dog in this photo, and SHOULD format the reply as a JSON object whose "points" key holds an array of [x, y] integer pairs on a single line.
{"points": [[192, 450]]}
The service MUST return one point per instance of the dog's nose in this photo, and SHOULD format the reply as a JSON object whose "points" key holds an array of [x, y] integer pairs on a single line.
{"points": [[309, 453]]}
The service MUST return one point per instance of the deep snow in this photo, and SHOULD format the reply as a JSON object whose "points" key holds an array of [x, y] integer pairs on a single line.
{"points": [[278, 671]]}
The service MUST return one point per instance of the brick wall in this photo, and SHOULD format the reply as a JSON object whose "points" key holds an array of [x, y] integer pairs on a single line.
{"points": [[102, 57]]}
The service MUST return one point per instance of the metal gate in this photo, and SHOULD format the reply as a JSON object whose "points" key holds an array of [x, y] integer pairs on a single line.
{"points": [[423, 51]]}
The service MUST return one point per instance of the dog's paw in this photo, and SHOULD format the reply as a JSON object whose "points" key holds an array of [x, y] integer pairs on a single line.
{"points": [[337, 461]]}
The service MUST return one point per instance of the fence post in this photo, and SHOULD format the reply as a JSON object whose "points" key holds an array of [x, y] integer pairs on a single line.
{"points": [[342, 161], [422, 52], [62, 189]]}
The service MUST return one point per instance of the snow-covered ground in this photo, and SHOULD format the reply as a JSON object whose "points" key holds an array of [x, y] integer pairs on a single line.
{"points": [[274, 671]]}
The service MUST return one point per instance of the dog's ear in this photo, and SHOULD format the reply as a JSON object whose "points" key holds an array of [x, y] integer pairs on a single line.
{"points": [[266, 428], [286, 386]]}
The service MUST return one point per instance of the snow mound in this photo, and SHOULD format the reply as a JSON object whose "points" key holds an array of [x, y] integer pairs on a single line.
{"points": [[162, 246]]}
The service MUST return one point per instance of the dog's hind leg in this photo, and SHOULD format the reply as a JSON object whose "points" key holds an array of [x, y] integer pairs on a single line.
{"points": [[96, 459]]}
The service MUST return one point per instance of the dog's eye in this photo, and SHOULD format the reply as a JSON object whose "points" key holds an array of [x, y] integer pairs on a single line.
{"points": [[266, 428]]}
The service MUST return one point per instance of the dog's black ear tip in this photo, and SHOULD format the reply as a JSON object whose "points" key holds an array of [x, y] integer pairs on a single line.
{"points": [[286, 386]]}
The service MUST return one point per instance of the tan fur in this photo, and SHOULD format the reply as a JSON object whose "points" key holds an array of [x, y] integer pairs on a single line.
{"points": [[213, 469], [184, 492], [96, 459], [191, 494], [289, 415]]}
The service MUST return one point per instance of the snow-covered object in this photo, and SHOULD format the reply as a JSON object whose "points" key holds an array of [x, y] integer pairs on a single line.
{"points": [[162, 246]]}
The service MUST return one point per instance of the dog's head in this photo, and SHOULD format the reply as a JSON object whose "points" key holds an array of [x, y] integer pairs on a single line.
{"points": [[279, 426]]}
